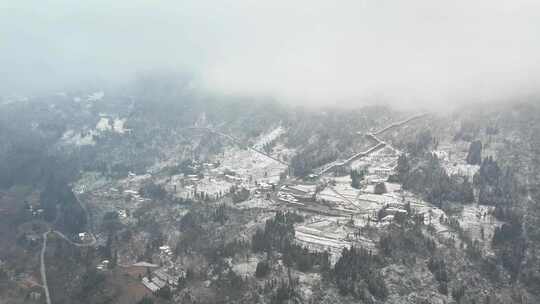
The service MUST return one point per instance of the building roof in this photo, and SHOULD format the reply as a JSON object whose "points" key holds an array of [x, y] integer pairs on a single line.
{"points": [[145, 264], [150, 285]]}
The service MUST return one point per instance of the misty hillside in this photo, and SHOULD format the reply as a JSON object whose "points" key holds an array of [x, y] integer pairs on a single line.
{"points": [[269, 152], [266, 203]]}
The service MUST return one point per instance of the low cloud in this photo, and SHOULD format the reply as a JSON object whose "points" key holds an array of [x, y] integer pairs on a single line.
{"points": [[420, 52]]}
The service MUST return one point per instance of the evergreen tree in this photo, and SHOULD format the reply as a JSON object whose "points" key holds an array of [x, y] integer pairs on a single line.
{"points": [[474, 156], [458, 293], [356, 178], [356, 274], [114, 260], [380, 188], [262, 269], [181, 282], [403, 167], [164, 292], [146, 300]]}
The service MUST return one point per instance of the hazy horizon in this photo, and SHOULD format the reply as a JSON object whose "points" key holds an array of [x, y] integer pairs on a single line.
{"points": [[423, 53]]}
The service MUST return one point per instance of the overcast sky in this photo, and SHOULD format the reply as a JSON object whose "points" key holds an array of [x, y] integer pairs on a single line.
{"points": [[303, 51]]}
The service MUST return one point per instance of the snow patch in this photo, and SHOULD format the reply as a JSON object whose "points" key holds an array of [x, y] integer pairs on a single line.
{"points": [[119, 125], [268, 138], [96, 96], [103, 125], [79, 139]]}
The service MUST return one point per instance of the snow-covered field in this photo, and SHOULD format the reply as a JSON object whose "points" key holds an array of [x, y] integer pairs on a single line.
{"points": [[452, 157], [461, 169], [475, 218], [108, 124], [327, 195], [384, 158], [323, 235], [282, 152], [96, 96], [246, 268], [87, 136], [213, 186], [268, 138], [89, 181], [70, 137], [103, 125], [119, 125], [252, 165], [329, 233], [343, 187]]}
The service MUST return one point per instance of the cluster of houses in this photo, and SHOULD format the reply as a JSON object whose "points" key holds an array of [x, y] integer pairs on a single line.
{"points": [[161, 278], [122, 213], [167, 275], [154, 284], [85, 236], [288, 198], [103, 265], [216, 182], [296, 194], [35, 212], [382, 165], [234, 179], [165, 250], [133, 194], [390, 213]]}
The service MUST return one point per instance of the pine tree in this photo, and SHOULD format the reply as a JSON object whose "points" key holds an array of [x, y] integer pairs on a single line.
{"points": [[403, 167], [148, 273], [474, 156], [114, 260]]}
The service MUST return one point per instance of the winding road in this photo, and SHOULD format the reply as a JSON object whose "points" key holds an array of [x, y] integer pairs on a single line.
{"points": [[42, 258], [92, 243], [379, 145], [43, 266], [399, 124], [42, 269]]}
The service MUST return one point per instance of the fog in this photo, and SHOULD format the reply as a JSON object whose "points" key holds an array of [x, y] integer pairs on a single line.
{"points": [[419, 52]]}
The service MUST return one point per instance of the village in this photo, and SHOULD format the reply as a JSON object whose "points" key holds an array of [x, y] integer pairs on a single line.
{"points": [[238, 152], [335, 210], [170, 220]]}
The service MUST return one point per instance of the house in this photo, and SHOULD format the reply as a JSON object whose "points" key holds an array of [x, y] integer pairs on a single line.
{"points": [[288, 198], [159, 282], [312, 177], [122, 213], [208, 165], [145, 265], [388, 218], [165, 277], [131, 192], [83, 236], [165, 250], [35, 293], [233, 179], [382, 172], [149, 284], [394, 210], [192, 177], [32, 237], [441, 155], [265, 186], [304, 192]]}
